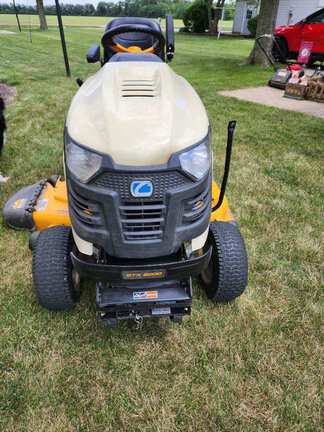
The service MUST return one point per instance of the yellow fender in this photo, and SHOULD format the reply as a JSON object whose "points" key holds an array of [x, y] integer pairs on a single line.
{"points": [[223, 214]]}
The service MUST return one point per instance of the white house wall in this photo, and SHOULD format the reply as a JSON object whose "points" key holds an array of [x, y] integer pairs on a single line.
{"points": [[289, 11], [299, 9]]}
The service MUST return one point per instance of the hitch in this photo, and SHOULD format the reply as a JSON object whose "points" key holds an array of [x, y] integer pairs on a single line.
{"points": [[230, 137]]}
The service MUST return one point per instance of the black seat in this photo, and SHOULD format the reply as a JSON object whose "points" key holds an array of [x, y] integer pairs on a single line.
{"points": [[126, 57], [141, 40]]}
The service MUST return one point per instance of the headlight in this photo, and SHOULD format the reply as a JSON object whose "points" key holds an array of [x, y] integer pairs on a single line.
{"points": [[196, 161], [81, 162]]}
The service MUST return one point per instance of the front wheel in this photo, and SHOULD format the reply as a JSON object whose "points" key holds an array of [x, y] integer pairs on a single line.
{"points": [[226, 275], [55, 282]]}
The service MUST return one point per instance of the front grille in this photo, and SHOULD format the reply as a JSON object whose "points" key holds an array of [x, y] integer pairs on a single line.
{"points": [[145, 219], [162, 182], [103, 212], [142, 220], [86, 212]]}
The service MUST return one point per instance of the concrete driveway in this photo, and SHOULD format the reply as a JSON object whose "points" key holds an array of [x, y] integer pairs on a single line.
{"points": [[273, 97]]}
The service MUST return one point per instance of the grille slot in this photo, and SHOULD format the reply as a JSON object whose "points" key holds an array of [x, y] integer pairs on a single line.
{"points": [[140, 88], [162, 182], [85, 211], [143, 220], [193, 211]]}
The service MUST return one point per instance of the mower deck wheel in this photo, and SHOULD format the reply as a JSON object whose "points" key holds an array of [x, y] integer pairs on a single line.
{"points": [[226, 276], [55, 284]]}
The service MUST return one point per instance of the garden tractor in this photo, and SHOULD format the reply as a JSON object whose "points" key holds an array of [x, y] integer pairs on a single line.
{"points": [[138, 212]]}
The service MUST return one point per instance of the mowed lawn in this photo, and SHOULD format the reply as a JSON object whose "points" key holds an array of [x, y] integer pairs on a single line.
{"points": [[9, 20], [254, 365]]}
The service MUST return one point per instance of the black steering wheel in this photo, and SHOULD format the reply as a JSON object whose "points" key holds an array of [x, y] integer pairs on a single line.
{"points": [[108, 38]]}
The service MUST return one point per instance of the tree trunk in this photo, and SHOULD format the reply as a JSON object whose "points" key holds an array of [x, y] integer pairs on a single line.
{"points": [[214, 15], [41, 14], [266, 24]]}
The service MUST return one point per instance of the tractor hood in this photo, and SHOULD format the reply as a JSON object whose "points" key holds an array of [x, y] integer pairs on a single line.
{"points": [[139, 113]]}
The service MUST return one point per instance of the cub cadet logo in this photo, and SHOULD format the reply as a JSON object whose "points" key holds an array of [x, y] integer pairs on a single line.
{"points": [[141, 188], [145, 295]]}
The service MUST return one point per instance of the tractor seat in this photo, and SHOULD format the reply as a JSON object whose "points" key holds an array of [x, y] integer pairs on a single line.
{"points": [[127, 57], [127, 40]]}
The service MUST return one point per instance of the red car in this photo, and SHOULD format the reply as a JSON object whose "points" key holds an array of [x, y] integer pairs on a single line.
{"points": [[290, 37]]}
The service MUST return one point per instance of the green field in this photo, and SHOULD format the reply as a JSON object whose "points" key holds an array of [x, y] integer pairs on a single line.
{"points": [[254, 365], [7, 20]]}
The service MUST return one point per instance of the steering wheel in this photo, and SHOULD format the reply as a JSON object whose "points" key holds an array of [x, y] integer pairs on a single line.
{"points": [[108, 38]]}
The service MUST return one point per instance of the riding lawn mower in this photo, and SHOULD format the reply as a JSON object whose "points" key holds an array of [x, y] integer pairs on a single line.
{"points": [[138, 212]]}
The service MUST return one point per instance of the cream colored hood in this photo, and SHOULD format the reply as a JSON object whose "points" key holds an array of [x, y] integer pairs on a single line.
{"points": [[139, 113]]}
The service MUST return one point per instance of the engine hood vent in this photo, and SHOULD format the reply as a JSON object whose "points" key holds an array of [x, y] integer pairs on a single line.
{"points": [[140, 88]]}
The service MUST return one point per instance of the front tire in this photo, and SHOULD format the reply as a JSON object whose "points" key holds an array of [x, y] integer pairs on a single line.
{"points": [[54, 280], [226, 276]]}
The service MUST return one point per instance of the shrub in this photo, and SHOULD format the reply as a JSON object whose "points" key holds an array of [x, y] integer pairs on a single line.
{"points": [[252, 25], [196, 17]]}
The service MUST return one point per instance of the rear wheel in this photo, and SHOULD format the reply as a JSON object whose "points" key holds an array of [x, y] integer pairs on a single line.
{"points": [[226, 276], [55, 282]]}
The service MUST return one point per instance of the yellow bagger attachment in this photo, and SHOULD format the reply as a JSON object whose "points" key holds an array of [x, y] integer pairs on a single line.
{"points": [[44, 205]]}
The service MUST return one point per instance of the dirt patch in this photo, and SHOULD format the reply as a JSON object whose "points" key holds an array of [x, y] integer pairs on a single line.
{"points": [[7, 93]]}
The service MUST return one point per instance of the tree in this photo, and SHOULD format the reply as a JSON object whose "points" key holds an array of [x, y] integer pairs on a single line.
{"points": [[196, 17], [266, 24], [89, 9], [41, 14], [214, 14]]}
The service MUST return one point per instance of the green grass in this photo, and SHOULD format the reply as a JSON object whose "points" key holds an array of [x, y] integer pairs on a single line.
{"points": [[254, 365], [7, 20]]}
